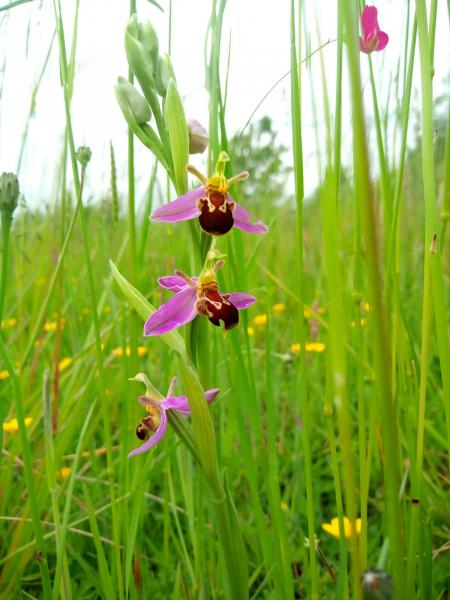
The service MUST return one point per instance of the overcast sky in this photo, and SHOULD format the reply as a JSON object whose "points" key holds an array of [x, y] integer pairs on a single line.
{"points": [[259, 34]]}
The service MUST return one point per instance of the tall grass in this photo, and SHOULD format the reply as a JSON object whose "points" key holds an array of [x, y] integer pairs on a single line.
{"points": [[334, 389]]}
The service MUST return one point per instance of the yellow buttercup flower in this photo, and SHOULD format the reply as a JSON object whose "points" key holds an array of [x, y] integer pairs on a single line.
{"points": [[278, 308], [333, 527], [64, 472], [8, 323], [309, 347], [260, 320], [119, 352], [12, 426], [250, 331], [315, 347], [362, 322], [65, 362], [4, 374], [52, 325]]}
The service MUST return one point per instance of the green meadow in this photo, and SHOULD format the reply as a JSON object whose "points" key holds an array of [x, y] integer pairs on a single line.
{"points": [[321, 468]]}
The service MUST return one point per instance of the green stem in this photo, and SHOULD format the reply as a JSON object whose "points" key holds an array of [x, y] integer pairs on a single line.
{"points": [[299, 195], [6, 219]]}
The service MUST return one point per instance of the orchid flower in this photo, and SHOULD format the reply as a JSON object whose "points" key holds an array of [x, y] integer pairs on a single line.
{"points": [[373, 38], [211, 203], [196, 296], [152, 428]]}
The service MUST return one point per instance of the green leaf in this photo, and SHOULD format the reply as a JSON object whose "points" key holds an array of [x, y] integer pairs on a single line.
{"points": [[178, 135], [13, 4]]}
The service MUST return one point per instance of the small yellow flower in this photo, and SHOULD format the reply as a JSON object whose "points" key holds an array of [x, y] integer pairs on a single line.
{"points": [[4, 374], [118, 352], [52, 325], [284, 506], [64, 472], [12, 426], [362, 322], [333, 527], [260, 320], [315, 347], [367, 307], [8, 323], [65, 362], [250, 331], [309, 347], [278, 308]]}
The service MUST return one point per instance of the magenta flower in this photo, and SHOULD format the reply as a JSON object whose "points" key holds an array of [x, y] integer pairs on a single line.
{"points": [[373, 38], [196, 296], [211, 203], [153, 427]]}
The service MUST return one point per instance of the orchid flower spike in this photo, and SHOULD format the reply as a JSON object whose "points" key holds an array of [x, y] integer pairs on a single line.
{"points": [[211, 203], [152, 428], [373, 38], [196, 296]]}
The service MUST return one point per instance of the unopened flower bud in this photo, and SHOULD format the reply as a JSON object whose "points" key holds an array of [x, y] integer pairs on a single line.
{"points": [[141, 46], [163, 74], [198, 137], [9, 193], [129, 98], [84, 154]]}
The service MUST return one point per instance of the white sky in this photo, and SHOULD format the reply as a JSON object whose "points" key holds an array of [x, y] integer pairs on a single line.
{"points": [[259, 32]]}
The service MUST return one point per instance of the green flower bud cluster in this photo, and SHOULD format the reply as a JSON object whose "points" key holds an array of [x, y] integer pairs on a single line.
{"points": [[9, 193], [142, 48], [172, 138]]}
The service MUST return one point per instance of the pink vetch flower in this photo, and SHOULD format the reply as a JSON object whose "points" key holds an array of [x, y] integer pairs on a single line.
{"points": [[196, 296], [152, 428], [211, 203], [373, 38]]}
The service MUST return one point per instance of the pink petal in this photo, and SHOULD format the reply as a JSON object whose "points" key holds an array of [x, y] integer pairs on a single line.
{"points": [[173, 283], [181, 404], [155, 438], [383, 39], [242, 220], [180, 309], [369, 21], [181, 209], [241, 299]]}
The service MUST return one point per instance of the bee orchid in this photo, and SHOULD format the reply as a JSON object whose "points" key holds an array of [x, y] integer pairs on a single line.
{"points": [[153, 427], [211, 203], [196, 296]]}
